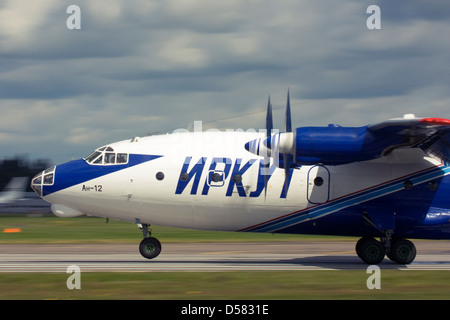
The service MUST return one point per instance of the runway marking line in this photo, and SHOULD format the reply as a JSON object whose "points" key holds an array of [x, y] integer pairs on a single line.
{"points": [[339, 252], [238, 251], [226, 252]]}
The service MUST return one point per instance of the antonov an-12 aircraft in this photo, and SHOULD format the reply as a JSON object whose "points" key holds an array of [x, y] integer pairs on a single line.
{"points": [[386, 181]]}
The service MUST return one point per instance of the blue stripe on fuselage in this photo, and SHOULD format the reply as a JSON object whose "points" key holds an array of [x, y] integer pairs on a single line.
{"points": [[79, 171], [335, 205]]}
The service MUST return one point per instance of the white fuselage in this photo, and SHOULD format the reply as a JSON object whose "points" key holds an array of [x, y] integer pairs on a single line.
{"points": [[207, 180]]}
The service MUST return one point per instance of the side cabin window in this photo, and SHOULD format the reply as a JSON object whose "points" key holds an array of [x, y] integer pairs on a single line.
{"points": [[106, 156]]}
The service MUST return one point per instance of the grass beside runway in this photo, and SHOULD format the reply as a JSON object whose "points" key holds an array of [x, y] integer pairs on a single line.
{"points": [[235, 285], [286, 285], [51, 229]]}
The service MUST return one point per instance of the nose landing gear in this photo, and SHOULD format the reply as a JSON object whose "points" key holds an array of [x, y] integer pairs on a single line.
{"points": [[149, 247]]}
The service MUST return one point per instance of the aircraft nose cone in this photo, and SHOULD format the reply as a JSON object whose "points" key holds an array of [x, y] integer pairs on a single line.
{"points": [[42, 179]]}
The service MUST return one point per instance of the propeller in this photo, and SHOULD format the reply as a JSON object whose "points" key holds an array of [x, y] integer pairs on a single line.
{"points": [[287, 156], [268, 142], [274, 144], [288, 123]]}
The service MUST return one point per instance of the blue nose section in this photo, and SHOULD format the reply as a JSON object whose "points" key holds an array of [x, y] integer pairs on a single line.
{"points": [[79, 171]]}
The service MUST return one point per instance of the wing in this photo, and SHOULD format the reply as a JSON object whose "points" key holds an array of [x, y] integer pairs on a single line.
{"points": [[334, 145], [430, 134]]}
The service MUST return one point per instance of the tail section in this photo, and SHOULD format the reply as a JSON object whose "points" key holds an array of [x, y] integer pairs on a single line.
{"points": [[14, 190]]}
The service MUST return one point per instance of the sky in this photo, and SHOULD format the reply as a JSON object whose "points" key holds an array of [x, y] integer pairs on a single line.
{"points": [[139, 67]]}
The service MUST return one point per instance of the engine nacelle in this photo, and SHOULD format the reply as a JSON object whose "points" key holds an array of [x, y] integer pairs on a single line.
{"points": [[331, 145]]}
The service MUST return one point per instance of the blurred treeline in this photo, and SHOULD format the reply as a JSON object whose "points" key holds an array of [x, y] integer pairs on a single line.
{"points": [[21, 166]]}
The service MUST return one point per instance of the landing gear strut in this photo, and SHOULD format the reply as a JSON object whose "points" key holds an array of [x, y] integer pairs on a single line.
{"points": [[372, 251], [149, 247]]}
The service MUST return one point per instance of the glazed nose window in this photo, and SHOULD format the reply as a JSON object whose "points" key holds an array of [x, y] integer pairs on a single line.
{"points": [[36, 184], [45, 178], [49, 176]]}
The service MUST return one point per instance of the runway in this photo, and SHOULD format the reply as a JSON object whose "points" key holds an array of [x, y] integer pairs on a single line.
{"points": [[208, 257]]}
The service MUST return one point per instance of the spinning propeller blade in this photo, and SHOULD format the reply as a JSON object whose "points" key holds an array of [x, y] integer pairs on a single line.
{"points": [[287, 157], [288, 124], [274, 144], [269, 127]]}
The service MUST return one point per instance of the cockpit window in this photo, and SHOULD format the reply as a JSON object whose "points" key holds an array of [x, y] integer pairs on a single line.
{"points": [[122, 158], [49, 176], [110, 157], [92, 156], [98, 160], [106, 156]]}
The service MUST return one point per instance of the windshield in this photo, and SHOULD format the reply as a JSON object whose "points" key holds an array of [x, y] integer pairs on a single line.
{"points": [[106, 156], [94, 155]]}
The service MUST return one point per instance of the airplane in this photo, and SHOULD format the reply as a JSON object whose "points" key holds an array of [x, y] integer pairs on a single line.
{"points": [[387, 181], [14, 190]]}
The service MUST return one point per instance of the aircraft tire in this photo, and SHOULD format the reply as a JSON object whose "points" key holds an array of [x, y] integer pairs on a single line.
{"points": [[150, 247], [403, 251], [358, 245], [370, 250]]}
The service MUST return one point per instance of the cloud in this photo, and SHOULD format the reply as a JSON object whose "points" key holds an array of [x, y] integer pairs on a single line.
{"points": [[19, 20], [84, 135], [153, 66]]}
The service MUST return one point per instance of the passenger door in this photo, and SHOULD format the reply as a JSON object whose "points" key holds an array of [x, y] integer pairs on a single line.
{"points": [[318, 185]]}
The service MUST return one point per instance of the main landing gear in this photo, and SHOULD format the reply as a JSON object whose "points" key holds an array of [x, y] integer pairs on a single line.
{"points": [[372, 251], [149, 247]]}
